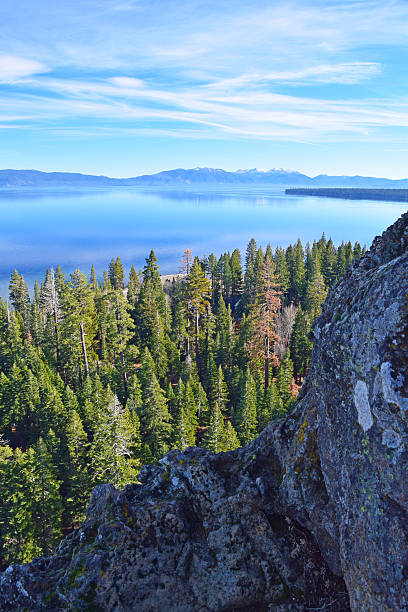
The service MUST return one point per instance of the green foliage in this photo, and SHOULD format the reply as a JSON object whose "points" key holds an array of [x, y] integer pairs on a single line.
{"points": [[155, 419], [97, 379], [245, 417], [110, 454]]}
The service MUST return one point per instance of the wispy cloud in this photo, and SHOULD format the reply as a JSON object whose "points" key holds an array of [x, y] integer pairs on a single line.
{"points": [[239, 107], [299, 70], [13, 68]]}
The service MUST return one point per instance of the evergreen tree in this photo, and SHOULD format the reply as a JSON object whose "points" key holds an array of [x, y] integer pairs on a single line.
{"points": [[250, 274], [46, 500], [76, 475], [214, 438], [78, 327], [230, 441], [262, 321], [133, 287], [224, 327], [19, 296], [116, 274], [300, 345], [217, 388], [51, 313], [297, 273], [282, 270], [92, 279], [245, 418], [152, 315], [340, 261], [154, 415], [329, 263], [284, 380], [18, 523], [272, 407], [110, 453], [316, 293], [196, 296], [185, 423], [237, 281]]}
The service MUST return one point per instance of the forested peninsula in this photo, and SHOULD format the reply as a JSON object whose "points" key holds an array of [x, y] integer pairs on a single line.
{"points": [[394, 195], [101, 376]]}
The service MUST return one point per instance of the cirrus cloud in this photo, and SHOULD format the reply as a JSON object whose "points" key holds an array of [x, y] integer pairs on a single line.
{"points": [[13, 68]]}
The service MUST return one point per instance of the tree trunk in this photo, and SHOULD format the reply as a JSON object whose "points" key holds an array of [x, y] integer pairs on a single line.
{"points": [[57, 350], [55, 314], [81, 326]]}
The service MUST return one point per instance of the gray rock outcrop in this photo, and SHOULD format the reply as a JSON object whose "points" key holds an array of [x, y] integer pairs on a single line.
{"points": [[312, 515]]}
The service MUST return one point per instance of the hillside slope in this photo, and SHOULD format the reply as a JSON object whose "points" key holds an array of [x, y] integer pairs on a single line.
{"points": [[192, 176]]}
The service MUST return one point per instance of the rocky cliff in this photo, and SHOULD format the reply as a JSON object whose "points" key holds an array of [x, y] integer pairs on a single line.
{"points": [[312, 515]]}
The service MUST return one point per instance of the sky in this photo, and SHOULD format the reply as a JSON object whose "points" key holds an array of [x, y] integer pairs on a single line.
{"points": [[127, 87]]}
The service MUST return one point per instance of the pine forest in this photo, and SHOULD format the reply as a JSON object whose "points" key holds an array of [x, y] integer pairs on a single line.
{"points": [[100, 376]]}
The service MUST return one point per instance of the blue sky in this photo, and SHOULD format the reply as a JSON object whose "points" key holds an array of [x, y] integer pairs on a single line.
{"points": [[124, 87]]}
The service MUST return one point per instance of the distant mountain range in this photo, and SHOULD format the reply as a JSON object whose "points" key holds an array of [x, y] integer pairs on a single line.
{"points": [[194, 176]]}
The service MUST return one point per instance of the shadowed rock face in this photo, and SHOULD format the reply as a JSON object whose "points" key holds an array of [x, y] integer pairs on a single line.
{"points": [[311, 514]]}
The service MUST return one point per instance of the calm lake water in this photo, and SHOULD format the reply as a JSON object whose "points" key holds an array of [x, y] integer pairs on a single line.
{"points": [[75, 228]]}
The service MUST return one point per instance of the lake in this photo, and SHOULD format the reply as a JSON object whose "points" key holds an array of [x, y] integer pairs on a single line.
{"points": [[75, 228]]}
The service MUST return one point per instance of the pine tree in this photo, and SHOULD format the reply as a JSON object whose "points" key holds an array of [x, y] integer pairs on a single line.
{"points": [[18, 522], [262, 321], [19, 296], [217, 388], [237, 281], [92, 279], [154, 416], [357, 251], [282, 270], [340, 261], [110, 453], [196, 297], [315, 295], [152, 314], [329, 263], [94, 400], [185, 422], [77, 478], [214, 438], [250, 274], [230, 441], [300, 345], [118, 332], [272, 407], [79, 325], [284, 380], [185, 262], [47, 504], [224, 327], [245, 418], [115, 274], [133, 287], [201, 403], [51, 312], [297, 273]]}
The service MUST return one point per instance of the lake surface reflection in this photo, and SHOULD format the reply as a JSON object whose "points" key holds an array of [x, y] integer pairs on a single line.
{"points": [[75, 228]]}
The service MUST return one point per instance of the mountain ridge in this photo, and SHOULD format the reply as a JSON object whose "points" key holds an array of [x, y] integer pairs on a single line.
{"points": [[198, 176]]}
